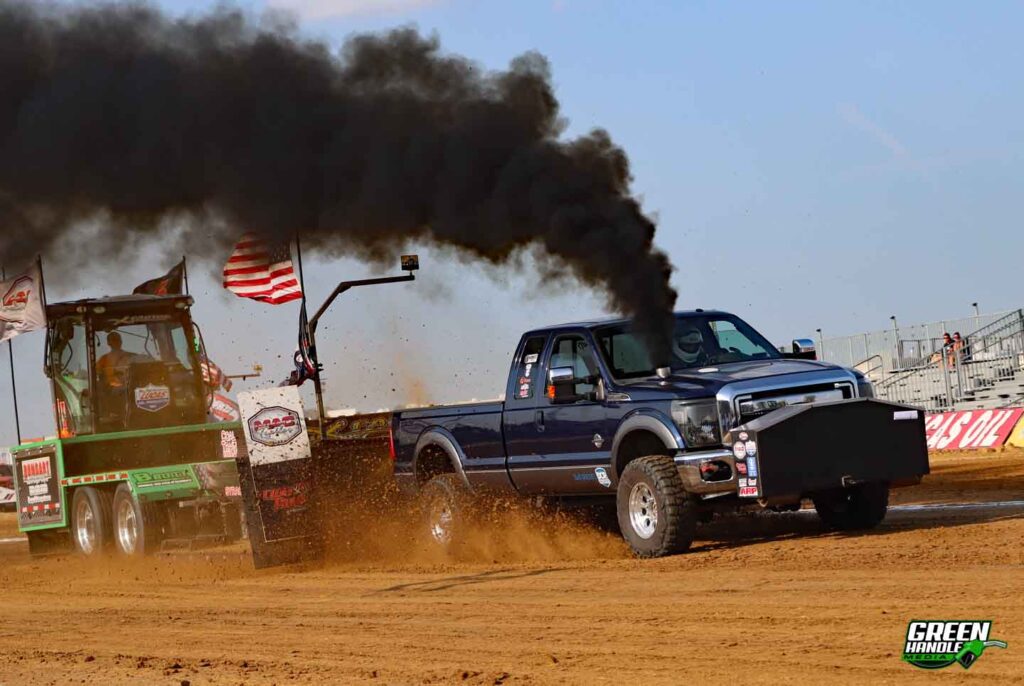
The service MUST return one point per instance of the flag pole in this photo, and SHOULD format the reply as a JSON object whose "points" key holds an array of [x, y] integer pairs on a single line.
{"points": [[184, 272], [42, 281], [317, 385], [14, 384]]}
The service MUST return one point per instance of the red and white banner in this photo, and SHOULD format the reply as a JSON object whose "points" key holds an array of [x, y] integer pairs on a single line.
{"points": [[223, 409], [971, 429]]}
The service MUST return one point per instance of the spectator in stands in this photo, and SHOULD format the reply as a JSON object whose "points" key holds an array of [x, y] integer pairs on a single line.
{"points": [[960, 347], [946, 351]]}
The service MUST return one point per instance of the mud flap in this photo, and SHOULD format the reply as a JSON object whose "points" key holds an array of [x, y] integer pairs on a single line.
{"points": [[276, 478], [805, 448]]}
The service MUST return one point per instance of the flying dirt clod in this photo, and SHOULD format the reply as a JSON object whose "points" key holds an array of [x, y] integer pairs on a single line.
{"points": [[121, 113]]}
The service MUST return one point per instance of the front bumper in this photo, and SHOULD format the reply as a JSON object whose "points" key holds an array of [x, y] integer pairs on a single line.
{"points": [[690, 471], [804, 449]]}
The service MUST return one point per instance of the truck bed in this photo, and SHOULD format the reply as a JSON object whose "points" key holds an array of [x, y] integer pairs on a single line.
{"points": [[475, 427]]}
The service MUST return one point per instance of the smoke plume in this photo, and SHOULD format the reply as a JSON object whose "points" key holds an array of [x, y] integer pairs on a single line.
{"points": [[120, 112]]}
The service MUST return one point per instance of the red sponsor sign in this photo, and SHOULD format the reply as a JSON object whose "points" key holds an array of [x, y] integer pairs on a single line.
{"points": [[37, 469], [971, 429]]}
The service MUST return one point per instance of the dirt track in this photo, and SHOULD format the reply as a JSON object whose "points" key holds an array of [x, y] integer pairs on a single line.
{"points": [[761, 600]]}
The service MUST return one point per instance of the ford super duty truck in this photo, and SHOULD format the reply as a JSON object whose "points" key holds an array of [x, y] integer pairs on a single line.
{"points": [[731, 424]]}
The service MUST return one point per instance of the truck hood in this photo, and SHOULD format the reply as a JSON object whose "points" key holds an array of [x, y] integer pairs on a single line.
{"points": [[714, 377]]}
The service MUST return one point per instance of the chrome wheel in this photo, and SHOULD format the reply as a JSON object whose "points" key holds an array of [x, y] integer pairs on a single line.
{"points": [[127, 527], [441, 519], [643, 510], [86, 527]]}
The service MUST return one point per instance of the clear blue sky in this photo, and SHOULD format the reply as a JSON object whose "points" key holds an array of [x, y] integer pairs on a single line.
{"points": [[810, 165]]}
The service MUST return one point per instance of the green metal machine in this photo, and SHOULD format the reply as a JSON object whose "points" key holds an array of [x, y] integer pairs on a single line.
{"points": [[136, 465]]}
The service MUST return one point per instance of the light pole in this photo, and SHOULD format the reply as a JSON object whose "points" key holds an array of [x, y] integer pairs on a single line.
{"points": [[896, 336], [821, 345], [977, 316]]}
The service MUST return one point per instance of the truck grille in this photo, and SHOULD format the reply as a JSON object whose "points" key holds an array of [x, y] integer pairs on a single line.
{"points": [[756, 405]]}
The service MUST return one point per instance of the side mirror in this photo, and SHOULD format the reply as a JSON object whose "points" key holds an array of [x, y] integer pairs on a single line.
{"points": [[803, 349], [562, 385]]}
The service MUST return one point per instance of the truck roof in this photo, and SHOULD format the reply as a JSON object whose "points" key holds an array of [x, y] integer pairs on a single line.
{"points": [[604, 321], [115, 302]]}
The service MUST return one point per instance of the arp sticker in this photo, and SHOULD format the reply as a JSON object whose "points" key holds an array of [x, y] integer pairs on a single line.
{"points": [[275, 426], [152, 398], [752, 467], [602, 477], [751, 449], [739, 450], [748, 492]]}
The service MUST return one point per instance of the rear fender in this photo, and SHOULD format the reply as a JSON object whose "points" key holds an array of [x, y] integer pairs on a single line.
{"points": [[652, 422], [440, 437]]}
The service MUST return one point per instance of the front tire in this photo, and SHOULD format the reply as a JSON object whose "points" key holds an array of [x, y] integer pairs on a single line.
{"points": [[90, 521], [656, 515], [861, 507]]}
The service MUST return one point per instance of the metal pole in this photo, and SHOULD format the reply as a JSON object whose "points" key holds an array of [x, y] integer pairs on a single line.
{"points": [[318, 387], [14, 383], [184, 272], [42, 281], [896, 335], [312, 323]]}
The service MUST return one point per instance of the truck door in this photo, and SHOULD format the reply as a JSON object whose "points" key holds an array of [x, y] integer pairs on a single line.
{"points": [[567, 445], [522, 398]]}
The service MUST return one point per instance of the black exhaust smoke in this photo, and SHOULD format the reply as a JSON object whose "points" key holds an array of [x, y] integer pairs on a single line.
{"points": [[121, 113]]}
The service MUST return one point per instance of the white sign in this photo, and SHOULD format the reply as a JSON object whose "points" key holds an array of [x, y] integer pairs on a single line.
{"points": [[21, 304], [275, 426]]}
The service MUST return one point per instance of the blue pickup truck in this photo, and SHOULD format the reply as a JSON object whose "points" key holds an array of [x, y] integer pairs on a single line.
{"points": [[731, 423]]}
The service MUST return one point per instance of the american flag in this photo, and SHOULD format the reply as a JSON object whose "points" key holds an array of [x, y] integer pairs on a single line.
{"points": [[214, 376], [262, 271]]}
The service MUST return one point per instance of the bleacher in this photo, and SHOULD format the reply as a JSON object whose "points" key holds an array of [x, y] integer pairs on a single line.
{"points": [[988, 373]]}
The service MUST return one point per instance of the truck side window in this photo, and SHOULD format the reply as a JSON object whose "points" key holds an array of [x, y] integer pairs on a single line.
{"points": [[527, 366], [574, 351]]}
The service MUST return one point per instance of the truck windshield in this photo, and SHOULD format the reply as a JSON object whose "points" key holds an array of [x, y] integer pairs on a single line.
{"points": [[697, 341], [144, 364]]}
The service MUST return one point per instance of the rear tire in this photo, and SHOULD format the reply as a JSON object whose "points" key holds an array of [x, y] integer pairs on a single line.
{"points": [[657, 517], [137, 531], [90, 521], [445, 503], [860, 507]]}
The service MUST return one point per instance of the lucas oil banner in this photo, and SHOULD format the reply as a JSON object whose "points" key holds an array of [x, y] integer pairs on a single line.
{"points": [[276, 477], [21, 304], [971, 429]]}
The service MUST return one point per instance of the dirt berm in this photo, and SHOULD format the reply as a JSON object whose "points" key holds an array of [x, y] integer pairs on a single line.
{"points": [[764, 600]]}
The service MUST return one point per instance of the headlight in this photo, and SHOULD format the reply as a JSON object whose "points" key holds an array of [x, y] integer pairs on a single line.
{"points": [[697, 422]]}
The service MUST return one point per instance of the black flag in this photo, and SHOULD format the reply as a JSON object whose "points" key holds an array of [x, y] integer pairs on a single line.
{"points": [[170, 283]]}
